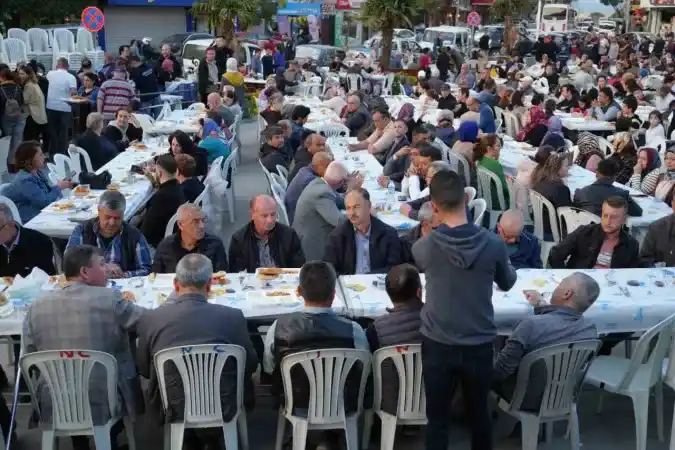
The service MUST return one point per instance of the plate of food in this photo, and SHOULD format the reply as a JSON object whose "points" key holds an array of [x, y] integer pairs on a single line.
{"points": [[355, 287], [220, 278], [113, 187], [7, 281], [161, 298], [129, 296], [57, 280], [61, 207], [273, 298], [81, 191], [139, 146], [269, 273]]}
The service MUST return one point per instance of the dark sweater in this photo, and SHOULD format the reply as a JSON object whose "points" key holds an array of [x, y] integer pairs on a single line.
{"points": [[271, 157], [170, 251], [34, 249], [114, 135], [100, 149], [192, 188], [161, 207]]}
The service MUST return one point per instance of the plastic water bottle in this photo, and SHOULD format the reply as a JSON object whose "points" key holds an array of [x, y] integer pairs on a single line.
{"points": [[391, 192]]}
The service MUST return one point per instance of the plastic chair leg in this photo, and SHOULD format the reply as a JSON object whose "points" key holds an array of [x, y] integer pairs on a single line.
{"points": [[530, 432], [230, 204], [351, 432], [658, 393], [281, 426], [300, 435], [131, 435], [243, 430], [549, 432], [176, 433], [230, 436], [600, 401], [102, 438], [641, 413], [672, 433], [367, 426], [573, 428], [48, 440], [388, 431]]}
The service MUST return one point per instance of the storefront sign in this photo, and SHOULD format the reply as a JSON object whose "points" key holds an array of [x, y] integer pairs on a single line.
{"points": [[348, 4], [300, 9], [337, 36], [662, 2]]}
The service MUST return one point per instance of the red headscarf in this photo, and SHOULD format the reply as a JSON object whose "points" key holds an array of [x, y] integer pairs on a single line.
{"points": [[537, 117]]}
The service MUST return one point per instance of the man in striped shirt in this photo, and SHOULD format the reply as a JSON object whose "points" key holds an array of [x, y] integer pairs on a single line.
{"points": [[115, 94]]}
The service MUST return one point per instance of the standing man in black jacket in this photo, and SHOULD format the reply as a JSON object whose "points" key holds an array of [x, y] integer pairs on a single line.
{"points": [[264, 242], [443, 63]]}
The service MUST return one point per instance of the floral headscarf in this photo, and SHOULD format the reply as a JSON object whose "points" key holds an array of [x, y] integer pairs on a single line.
{"points": [[537, 117], [406, 112], [588, 146]]}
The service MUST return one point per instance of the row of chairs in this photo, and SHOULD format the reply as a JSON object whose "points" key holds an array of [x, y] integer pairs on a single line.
{"points": [[567, 366]]}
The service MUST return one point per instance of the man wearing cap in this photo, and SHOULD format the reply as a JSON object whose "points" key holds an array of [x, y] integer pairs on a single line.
{"points": [[446, 99], [115, 94]]}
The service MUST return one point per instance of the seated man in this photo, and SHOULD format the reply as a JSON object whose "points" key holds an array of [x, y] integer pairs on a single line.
{"points": [[186, 169], [658, 248], [397, 166], [365, 244], [400, 139], [355, 117], [524, 249], [419, 175], [164, 203], [592, 196], [125, 250], [298, 131], [190, 238], [305, 176], [271, 152], [381, 139], [187, 318], [314, 328], [428, 222], [601, 246], [264, 242], [22, 249], [84, 314], [558, 323], [313, 144]]}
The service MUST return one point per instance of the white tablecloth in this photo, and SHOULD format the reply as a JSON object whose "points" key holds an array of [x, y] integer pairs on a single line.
{"points": [[364, 162], [184, 120], [583, 124], [620, 307], [244, 291]]}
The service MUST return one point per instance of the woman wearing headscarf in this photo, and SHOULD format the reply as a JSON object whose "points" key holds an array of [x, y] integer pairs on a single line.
{"points": [[554, 137], [407, 114], [625, 155], [269, 90], [213, 141], [589, 152], [234, 78], [647, 172], [664, 188], [535, 128], [467, 137]]}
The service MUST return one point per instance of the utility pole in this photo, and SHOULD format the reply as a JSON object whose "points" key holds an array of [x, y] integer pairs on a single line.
{"points": [[627, 14]]}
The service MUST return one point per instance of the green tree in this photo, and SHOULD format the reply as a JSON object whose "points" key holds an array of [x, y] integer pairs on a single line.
{"points": [[507, 9], [220, 14], [616, 4], [385, 15]]}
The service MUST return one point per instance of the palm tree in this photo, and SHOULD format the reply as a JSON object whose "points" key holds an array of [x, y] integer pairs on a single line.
{"points": [[220, 14], [385, 15], [507, 9]]}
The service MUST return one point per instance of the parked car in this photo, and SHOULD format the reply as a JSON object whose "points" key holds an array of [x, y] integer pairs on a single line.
{"points": [[399, 33], [177, 41], [495, 32], [458, 36], [321, 54], [193, 52]]}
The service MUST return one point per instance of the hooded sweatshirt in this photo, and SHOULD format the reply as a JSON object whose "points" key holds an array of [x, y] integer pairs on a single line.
{"points": [[460, 265]]}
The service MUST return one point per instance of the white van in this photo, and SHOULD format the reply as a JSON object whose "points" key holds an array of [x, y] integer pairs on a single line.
{"points": [[193, 52], [458, 35]]}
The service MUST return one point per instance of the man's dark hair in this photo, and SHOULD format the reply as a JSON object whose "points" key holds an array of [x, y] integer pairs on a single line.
{"points": [[616, 202], [489, 85], [363, 191], [317, 282], [273, 130], [419, 129], [429, 151], [300, 112], [167, 162], [631, 103], [464, 92], [608, 92], [382, 112], [402, 283], [624, 123], [77, 257], [537, 99], [447, 190], [608, 168], [121, 49]]}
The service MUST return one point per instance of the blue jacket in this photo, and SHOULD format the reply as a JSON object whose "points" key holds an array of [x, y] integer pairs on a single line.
{"points": [[526, 253], [487, 119], [31, 193]]}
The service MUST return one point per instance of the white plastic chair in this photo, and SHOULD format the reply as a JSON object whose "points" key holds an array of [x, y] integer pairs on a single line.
{"points": [[85, 45], [411, 408], [574, 218], [16, 51], [280, 180], [12, 209], [198, 106], [327, 372], [75, 152], [388, 83], [329, 130], [3, 55], [199, 201], [229, 192], [22, 35], [66, 374], [63, 45], [39, 44], [606, 146], [635, 377], [470, 193], [477, 207], [262, 124], [4, 151], [354, 81], [566, 365], [486, 179], [281, 170], [168, 231], [63, 165], [165, 112], [669, 380], [200, 368], [146, 122], [539, 202], [569, 144], [460, 165], [511, 123]]}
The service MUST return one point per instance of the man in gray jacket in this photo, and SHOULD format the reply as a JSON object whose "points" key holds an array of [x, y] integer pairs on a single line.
{"points": [[316, 213], [461, 261]]}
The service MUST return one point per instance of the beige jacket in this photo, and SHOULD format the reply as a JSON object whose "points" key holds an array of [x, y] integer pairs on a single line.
{"points": [[383, 139], [35, 101]]}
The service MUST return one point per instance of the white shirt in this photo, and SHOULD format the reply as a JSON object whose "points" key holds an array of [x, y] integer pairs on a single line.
{"points": [[654, 135], [61, 85]]}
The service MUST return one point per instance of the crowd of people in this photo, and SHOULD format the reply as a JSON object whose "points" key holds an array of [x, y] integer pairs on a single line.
{"points": [[333, 229]]}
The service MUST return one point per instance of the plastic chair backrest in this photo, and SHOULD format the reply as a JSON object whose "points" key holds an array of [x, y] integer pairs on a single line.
{"points": [[165, 111], [328, 130], [575, 152], [196, 106], [538, 202], [19, 33], [566, 366], [569, 144], [200, 368], [39, 40], [471, 193], [63, 165], [460, 165], [606, 146], [388, 83], [64, 41], [168, 231], [511, 122], [485, 184], [478, 207], [16, 50], [227, 165], [407, 359], [75, 152], [327, 372], [199, 201], [85, 42], [573, 218], [146, 122], [513, 189], [4, 151], [354, 81], [281, 206], [66, 375], [12, 208], [283, 172], [650, 355]]}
